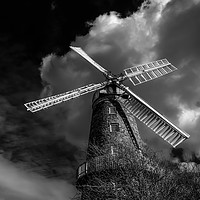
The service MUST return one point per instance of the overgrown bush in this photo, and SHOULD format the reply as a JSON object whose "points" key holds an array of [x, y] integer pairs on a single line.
{"points": [[141, 175]]}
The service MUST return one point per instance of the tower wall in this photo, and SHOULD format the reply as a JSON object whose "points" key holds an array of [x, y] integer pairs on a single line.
{"points": [[108, 128], [112, 128]]}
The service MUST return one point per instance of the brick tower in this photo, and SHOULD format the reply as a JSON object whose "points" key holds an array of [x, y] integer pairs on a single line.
{"points": [[112, 125]]}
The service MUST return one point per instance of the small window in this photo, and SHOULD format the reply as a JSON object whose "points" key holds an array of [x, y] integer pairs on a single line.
{"points": [[112, 150], [112, 110], [86, 167], [114, 127], [82, 169]]}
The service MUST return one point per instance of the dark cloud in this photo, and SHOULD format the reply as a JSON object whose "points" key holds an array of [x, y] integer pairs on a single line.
{"points": [[45, 30], [198, 103], [178, 153], [46, 142], [184, 155], [195, 158], [21, 185], [178, 42], [52, 139], [30, 144]]}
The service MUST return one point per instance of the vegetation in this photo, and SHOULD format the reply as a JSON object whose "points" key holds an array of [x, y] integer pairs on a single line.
{"points": [[141, 176]]}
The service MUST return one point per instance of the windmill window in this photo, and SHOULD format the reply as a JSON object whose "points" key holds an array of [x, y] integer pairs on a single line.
{"points": [[86, 167], [82, 169], [114, 127], [112, 110], [112, 150]]}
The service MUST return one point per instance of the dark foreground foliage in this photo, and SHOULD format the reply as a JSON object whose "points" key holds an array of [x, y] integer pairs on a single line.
{"points": [[145, 177]]}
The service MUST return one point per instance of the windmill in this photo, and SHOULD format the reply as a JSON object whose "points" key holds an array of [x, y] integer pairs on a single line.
{"points": [[115, 107]]}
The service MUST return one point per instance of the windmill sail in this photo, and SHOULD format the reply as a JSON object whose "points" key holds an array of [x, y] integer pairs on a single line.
{"points": [[142, 110], [59, 98], [153, 119], [146, 72], [90, 60]]}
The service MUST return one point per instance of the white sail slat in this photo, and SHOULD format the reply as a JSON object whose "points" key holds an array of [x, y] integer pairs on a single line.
{"points": [[44, 103], [146, 72], [153, 119]]}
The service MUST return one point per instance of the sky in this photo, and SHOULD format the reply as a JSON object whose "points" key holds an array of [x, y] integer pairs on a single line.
{"points": [[36, 62]]}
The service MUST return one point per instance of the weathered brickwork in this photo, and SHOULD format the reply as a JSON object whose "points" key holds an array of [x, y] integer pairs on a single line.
{"points": [[106, 132]]}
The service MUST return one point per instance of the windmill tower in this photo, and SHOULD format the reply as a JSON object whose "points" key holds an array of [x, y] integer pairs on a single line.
{"points": [[113, 123]]}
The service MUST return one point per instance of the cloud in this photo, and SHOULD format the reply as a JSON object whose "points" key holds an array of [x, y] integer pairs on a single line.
{"points": [[160, 29], [198, 103], [61, 74], [157, 30], [16, 184], [187, 117], [112, 41], [130, 37], [178, 41], [29, 142]]}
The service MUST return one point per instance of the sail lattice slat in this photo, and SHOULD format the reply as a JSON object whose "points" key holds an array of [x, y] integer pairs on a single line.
{"points": [[146, 72], [158, 124], [154, 120], [66, 96]]}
